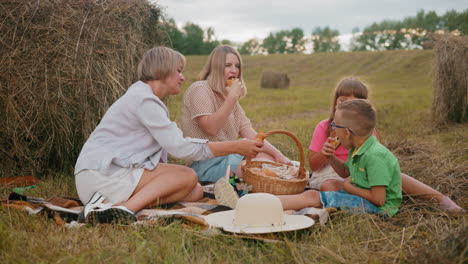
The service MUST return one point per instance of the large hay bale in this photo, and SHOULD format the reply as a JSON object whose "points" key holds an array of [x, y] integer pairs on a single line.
{"points": [[62, 63], [451, 83], [275, 80]]}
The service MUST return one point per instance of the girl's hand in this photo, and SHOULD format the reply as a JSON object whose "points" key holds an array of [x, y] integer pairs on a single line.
{"points": [[236, 90], [249, 148], [328, 149]]}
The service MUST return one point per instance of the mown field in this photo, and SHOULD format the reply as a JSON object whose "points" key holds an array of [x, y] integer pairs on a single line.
{"points": [[401, 90]]}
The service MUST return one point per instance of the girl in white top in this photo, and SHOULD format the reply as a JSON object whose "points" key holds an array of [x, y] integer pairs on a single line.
{"points": [[123, 168]]}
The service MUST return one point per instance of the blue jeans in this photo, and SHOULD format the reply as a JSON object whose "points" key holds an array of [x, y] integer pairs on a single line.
{"points": [[214, 169], [347, 202]]}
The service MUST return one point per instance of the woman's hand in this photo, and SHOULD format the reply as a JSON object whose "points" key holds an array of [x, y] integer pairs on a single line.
{"points": [[249, 148], [328, 149], [283, 160], [236, 90], [245, 147]]}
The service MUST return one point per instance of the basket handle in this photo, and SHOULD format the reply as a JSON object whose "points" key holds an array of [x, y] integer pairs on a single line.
{"points": [[261, 136]]}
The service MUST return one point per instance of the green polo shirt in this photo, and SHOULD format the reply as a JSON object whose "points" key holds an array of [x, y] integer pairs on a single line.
{"points": [[374, 165]]}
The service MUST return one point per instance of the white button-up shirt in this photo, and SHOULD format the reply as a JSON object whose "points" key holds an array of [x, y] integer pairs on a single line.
{"points": [[136, 132]]}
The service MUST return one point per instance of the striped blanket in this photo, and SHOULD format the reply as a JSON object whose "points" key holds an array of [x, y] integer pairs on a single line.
{"points": [[64, 210]]}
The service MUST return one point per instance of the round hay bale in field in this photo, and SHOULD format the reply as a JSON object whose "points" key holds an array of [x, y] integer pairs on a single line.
{"points": [[62, 64], [275, 80], [428, 44], [451, 82]]}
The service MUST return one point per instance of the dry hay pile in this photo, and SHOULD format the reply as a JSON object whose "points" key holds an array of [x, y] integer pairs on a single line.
{"points": [[418, 160], [275, 80], [451, 83], [62, 63]]}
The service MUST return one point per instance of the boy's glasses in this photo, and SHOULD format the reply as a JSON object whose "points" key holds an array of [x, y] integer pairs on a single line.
{"points": [[334, 126]]}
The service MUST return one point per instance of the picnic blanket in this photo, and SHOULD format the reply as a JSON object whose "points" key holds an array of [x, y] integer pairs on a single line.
{"points": [[64, 210]]}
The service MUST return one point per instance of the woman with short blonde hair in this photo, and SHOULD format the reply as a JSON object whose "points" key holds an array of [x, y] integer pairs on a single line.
{"points": [[158, 63]]}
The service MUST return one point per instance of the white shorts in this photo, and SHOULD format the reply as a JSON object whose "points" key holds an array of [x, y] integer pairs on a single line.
{"points": [[326, 173], [116, 188]]}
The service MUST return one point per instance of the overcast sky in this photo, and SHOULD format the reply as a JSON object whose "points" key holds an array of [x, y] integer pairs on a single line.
{"points": [[241, 20]]}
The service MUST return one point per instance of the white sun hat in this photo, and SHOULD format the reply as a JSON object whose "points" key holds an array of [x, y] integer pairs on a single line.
{"points": [[258, 213]]}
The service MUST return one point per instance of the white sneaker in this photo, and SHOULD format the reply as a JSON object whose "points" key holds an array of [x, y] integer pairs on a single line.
{"points": [[111, 215], [95, 202]]}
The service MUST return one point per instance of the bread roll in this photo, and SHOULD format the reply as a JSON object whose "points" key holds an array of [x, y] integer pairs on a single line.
{"points": [[335, 141], [269, 172], [230, 81]]}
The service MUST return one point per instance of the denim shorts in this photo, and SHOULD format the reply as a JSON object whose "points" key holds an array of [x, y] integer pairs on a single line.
{"points": [[214, 169], [347, 202]]}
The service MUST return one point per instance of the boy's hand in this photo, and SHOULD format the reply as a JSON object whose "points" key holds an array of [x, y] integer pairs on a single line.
{"points": [[347, 184], [376, 195], [328, 149]]}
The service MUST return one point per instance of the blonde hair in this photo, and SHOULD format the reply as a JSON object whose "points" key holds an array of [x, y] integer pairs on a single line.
{"points": [[359, 115], [158, 63], [213, 71], [348, 86]]}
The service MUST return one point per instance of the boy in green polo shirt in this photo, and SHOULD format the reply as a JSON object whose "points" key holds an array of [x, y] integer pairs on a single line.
{"points": [[374, 184]]}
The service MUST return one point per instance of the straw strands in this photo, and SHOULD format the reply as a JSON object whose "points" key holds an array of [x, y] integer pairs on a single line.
{"points": [[451, 83], [62, 63]]}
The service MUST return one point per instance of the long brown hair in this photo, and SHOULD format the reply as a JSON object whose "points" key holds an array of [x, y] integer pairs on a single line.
{"points": [[349, 86], [213, 71]]}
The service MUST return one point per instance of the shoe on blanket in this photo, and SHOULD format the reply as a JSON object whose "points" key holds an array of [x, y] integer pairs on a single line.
{"points": [[111, 215], [95, 202], [225, 194]]}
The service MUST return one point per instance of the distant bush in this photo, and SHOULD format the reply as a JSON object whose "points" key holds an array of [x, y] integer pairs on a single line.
{"points": [[411, 32]]}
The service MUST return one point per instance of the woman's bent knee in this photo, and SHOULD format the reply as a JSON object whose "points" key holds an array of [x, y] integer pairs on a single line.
{"points": [[198, 192], [190, 176], [194, 195]]}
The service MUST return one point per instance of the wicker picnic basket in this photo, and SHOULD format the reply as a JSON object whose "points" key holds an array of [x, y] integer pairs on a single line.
{"points": [[274, 185]]}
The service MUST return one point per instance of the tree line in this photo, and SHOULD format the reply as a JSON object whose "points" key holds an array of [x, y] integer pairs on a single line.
{"points": [[191, 39], [409, 33]]}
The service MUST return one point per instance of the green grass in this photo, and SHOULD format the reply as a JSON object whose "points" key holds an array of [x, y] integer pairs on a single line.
{"points": [[401, 89]]}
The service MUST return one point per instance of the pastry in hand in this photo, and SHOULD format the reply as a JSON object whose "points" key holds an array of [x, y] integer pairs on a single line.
{"points": [[335, 141], [230, 81]]}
